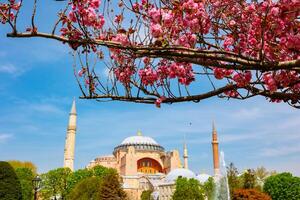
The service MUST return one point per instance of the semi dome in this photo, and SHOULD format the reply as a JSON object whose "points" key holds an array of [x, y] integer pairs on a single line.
{"points": [[202, 178], [180, 172], [140, 142]]}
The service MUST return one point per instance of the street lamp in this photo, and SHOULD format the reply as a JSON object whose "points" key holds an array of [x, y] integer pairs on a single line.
{"points": [[36, 182]]}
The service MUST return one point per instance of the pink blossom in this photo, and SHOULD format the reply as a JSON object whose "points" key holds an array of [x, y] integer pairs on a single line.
{"points": [[155, 14], [156, 30], [159, 101], [275, 11]]}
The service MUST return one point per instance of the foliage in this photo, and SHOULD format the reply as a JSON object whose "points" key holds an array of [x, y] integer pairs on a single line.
{"points": [[101, 171], [55, 183], [87, 189], [233, 179], [159, 50], [81, 174], [25, 175], [146, 195], [209, 188], [249, 179], [26, 164], [10, 187], [111, 188], [76, 177], [283, 186], [249, 194], [188, 189]]}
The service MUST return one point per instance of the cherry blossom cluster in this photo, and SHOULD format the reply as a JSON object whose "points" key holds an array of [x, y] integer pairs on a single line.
{"points": [[7, 11], [263, 30], [124, 73], [83, 14], [182, 71], [260, 30], [282, 79], [177, 24]]}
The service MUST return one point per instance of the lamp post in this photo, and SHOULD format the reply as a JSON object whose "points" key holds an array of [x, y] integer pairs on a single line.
{"points": [[36, 182]]}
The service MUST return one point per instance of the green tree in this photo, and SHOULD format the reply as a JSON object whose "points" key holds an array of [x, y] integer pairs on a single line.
{"points": [[233, 179], [249, 179], [101, 172], [55, 183], [146, 195], [209, 188], [77, 176], [87, 189], [10, 187], [283, 186], [188, 189], [20, 164], [26, 176], [111, 188]]}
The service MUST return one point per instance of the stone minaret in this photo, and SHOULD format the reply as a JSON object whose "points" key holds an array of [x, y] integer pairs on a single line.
{"points": [[70, 139], [215, 148], [185, 156]]}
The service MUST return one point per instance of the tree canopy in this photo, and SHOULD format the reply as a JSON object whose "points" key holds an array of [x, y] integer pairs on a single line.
{"points": [[87, 189], [283, 186], [25, 176], [55, 183], [169, 51], [188, 189], [10, 187], [23, 164]]}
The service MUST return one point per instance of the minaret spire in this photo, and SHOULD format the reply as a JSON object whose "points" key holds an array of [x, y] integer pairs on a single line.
{"points": [[185, 154], [215, 148], [70, 138]]}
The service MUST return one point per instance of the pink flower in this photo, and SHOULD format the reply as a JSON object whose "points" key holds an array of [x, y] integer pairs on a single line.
{"points": [[168, 18], [72, 16], [242, 79], [155, 14], [232, 23], [159, 101], [228, 41], [156, 30], [275, 11]]}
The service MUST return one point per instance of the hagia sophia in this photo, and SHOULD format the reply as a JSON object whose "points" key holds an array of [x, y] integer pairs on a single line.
{"points": [[142, 163]]}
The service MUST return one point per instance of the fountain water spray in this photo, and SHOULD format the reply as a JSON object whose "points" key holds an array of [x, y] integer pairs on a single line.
{"points": [[222, 187]]}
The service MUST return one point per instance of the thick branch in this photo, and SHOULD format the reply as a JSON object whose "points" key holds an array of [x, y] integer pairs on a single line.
{"points": [[200, 57]]}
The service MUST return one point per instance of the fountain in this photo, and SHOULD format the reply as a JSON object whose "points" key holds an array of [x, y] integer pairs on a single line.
{"points": [[221, 181]]}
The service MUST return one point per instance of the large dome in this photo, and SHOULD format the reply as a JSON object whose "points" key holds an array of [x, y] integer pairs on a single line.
{"points": [[139, 139], [140, 142], [180, 172]]}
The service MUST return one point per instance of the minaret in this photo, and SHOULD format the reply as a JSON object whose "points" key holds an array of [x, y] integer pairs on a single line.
{"points": [[215, 148], [185, 155], [70, 139]]}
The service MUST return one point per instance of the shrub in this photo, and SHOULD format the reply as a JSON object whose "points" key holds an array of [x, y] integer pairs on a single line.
{"points": [[283, 186], [249, 194]]}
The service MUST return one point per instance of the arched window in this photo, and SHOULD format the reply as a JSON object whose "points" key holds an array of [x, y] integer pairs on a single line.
{"points": [[148, 166]]}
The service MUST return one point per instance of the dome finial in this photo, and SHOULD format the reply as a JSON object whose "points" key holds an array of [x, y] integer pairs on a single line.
{"points": [[139, 133]]}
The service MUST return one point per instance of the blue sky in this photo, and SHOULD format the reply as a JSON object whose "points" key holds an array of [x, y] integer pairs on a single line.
{"points": [[36, 91]]}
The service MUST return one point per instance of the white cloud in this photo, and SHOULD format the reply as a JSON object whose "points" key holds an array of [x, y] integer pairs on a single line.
{"points": [[9, 69], [4, 137], [280, 151], [45, 108]]}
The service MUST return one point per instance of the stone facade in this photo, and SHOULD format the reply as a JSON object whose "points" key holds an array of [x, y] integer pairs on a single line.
{"points": [[141, 162]]}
